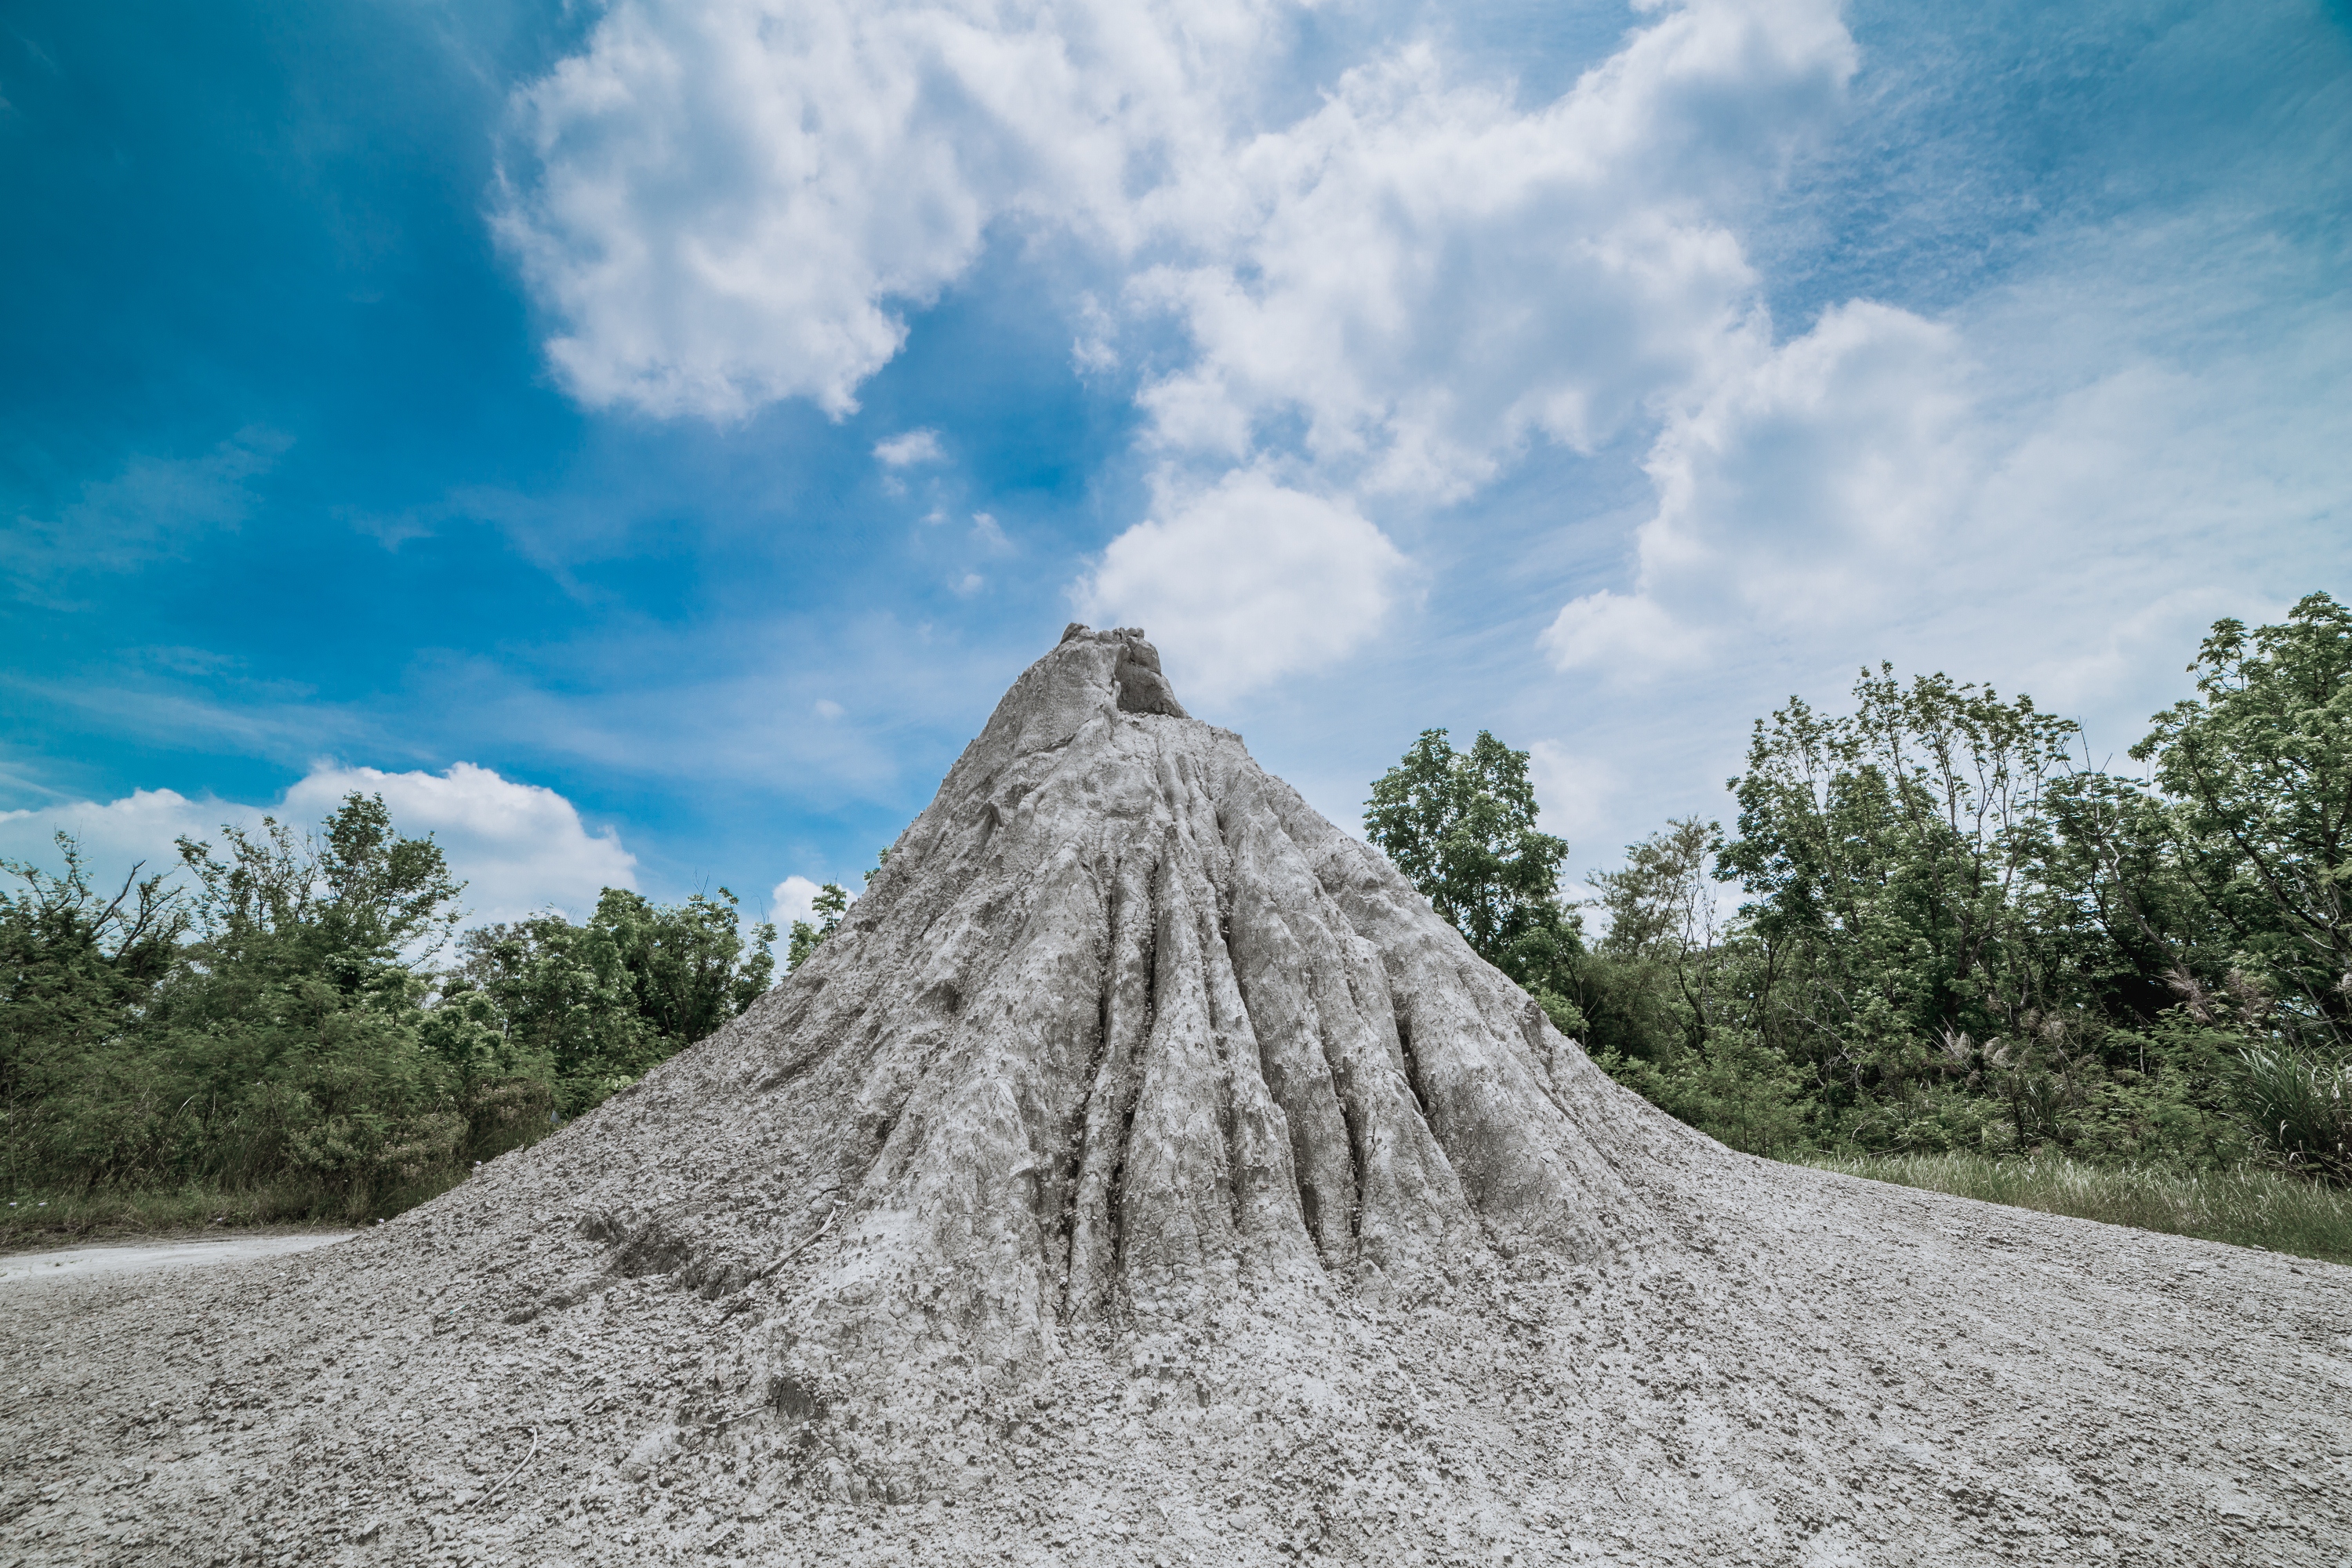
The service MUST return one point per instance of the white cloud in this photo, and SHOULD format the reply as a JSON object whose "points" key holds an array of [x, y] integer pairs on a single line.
{"points": [[1628, 633], [517, 846], [723, 200], [117, 835], [1428, 276], [1853, 440], [911, 448], [1373, 298], [1388, 288], [1573, 792], [1365, 281], [1245, 582], [730, 202], [1789, 493], [1887, 486], [794, 899]]}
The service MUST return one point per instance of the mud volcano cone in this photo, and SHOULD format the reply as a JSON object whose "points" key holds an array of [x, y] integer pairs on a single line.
{"points": [[1144, 1173], [1123, 1031]]}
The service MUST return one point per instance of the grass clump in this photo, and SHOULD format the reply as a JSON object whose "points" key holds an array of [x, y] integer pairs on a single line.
{"points": [[2245, 1205]]}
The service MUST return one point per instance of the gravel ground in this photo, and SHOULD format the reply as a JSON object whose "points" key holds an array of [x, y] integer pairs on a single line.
{"points": [[1143, 1174], [1830, 1372]]}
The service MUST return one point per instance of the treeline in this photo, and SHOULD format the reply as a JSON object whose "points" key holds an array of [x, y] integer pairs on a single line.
{"points": [[302, 1012], [1950, 928]]}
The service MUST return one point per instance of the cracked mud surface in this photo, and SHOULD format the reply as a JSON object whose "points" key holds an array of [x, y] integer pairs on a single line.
{"points": [[1144, 1174]]}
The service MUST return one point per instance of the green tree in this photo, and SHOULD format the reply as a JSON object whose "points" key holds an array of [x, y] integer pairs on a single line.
{"points": [[1668, 989], [1461, 825], [292, 1023], [2259, 769], [1895, 859], [77, 971], [604, 1001], [831, 902], [1649, 986], [274, 1025]]}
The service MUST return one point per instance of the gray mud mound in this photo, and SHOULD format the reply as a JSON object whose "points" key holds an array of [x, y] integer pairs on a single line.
{"points": [[1143, 1174]]}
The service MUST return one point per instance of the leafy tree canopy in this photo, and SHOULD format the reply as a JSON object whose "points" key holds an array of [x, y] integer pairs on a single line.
{"points": [[275, 1021], [77, 967], [1461, 825], [2259, 767], [831, 903], [604, 1001]]}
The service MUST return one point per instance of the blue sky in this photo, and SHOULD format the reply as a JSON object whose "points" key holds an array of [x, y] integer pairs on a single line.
{"points": [[642, 441]]}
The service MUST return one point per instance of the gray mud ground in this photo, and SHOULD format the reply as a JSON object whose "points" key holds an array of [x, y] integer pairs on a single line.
{"points": [[1144, 1173], [1846, 1373]]}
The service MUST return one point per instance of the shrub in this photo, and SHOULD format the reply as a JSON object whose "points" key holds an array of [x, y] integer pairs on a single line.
{"points": [[2300, 1106]]}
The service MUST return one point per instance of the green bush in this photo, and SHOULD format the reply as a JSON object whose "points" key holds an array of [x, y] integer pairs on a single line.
{"points": [[1736, 1091], [2297, 1104], [270, 1037]]}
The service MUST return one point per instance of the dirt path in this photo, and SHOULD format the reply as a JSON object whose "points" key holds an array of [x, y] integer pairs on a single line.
{"points": [[23, 1269]]}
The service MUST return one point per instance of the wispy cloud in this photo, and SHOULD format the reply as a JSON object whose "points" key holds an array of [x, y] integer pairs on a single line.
{"points": [[155, 509]]}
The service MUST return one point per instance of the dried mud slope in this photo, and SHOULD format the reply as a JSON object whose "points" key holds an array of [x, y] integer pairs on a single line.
{"points": [[1143, 1174]]}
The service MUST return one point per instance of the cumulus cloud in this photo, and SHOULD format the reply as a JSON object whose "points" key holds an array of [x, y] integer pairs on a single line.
{"points": [[1375, 297], [1627, 633], [724, 201], [118, 835], [794, 899], [1427, 275], [733, 202], [1910, 488], [1386, 290], [907, 451], [517, 846], [1789, 493], [1853, 440], [1245, 582]]}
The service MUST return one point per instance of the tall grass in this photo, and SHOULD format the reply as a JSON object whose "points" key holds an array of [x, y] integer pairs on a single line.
{"points": [[2301, 1105], [2245, 1205]]}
